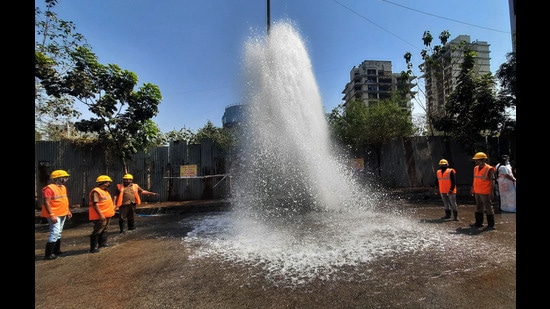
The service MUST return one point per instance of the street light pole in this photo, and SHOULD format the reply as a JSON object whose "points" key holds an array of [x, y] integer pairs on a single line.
{"points": [[268, 17]]}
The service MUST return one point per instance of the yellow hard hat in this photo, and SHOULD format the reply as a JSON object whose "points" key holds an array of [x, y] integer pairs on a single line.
{"points": [[103, 178], [128, 176], [443, 162], [479, 156], [58, 174]]}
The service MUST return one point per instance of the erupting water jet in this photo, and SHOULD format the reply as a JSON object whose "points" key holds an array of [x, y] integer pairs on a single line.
{"points": [[297, 212]]}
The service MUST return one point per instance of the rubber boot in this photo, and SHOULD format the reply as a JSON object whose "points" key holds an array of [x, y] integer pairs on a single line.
{"points": [[102, 241], [447, 214], [57, 247], [490, 223], [455, 215], [49, 255], [121, 225], [479, 220], [94, 247], [131, 225]]}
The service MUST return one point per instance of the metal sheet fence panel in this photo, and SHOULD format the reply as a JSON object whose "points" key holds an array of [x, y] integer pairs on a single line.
{"points": [[178, 156], [422, 162], [405, 162], [83, 164], [159, 163], [195, 186]]}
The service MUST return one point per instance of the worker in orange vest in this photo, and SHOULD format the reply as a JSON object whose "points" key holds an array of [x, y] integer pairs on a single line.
{"points": [[101, 210], [483, 191], [127, 200], [446, 182], [55, 209]]}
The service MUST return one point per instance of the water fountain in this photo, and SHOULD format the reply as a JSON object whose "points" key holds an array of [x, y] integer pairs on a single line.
{"points": [[287, 156], [297, 212]]}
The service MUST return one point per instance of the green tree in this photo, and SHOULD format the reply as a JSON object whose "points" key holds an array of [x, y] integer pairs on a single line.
{"points": [[506, 75], [472, 111], [435, 58], [358, 127], [153, 134], [346, 124], [55, 40], [67, 72], [183, 134], [222, 137], [122, 123], [122, 116]]}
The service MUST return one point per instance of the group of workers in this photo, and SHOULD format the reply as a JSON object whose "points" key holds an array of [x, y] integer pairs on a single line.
{"points": [[102, 207], [487, 180]]}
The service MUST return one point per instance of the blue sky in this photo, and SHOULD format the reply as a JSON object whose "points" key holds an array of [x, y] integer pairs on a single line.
{"points": [[192, 50]]}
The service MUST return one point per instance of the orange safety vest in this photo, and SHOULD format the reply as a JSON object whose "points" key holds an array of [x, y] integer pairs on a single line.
{"points": [[121, 194], [105, 204], [482, 184], [444, 180], [59, 203]]}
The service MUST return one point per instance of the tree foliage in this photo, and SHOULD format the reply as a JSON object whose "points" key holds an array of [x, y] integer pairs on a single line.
{"points": [[472, 110], [357, 126], [224, 137], [69, 73], [55, 40], [506, 75], [221, 136], [183, 134], [123, 115]]}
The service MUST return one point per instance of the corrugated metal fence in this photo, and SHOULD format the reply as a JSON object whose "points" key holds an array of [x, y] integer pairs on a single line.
{"points": [[158, 170], [403, 163]]}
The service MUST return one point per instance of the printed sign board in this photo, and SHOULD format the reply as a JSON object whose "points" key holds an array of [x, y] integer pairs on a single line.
{"points": [[188, 170]]}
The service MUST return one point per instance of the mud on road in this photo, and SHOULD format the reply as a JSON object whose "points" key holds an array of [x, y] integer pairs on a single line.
{"points": [[150, 268]]}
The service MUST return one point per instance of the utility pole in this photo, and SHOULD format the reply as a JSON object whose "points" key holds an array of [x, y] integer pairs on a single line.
{"points": [[268, 17]]}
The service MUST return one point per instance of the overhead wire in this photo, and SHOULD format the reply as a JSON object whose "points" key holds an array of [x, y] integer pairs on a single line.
{"points": [[375, 24], [446, 18]]}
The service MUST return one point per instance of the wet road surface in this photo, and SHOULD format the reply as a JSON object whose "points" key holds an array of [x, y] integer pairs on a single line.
{"points": [[153, 267]]}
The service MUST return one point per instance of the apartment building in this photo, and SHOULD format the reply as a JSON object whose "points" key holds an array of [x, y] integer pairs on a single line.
{"points": [[373, 81], [441, 81]]}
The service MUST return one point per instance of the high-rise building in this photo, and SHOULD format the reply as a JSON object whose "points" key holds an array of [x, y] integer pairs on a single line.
{"points": [[373, 81], [441, 80]]}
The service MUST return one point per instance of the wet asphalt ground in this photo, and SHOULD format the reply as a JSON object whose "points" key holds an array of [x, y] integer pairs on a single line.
{"points": [[151, 268]]}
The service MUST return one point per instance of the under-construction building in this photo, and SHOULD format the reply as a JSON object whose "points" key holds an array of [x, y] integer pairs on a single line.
{"points": [[373, 81], [442, 80]]}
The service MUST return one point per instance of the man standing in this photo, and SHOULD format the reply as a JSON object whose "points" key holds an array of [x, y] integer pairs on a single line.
{"points": [[101, 210], [483, 191], [506, 184], [55, 209], [446, 181], [127, 200]]}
